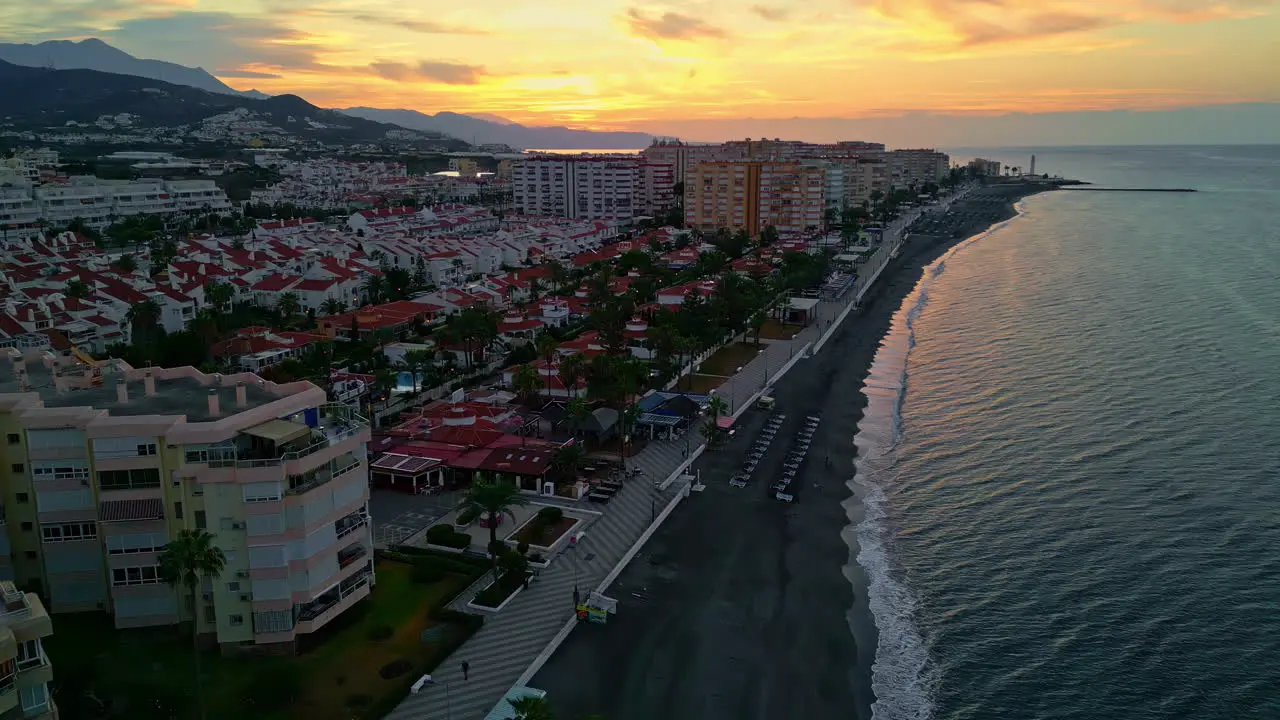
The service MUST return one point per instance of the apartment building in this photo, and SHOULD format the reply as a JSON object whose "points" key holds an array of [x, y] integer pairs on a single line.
{"points": [[98, 202], [979, 166], [580, 188], [917, 167], [81, 198], [103, 466], [25, 670], [18, 211], [197, 196], [754, 195]]}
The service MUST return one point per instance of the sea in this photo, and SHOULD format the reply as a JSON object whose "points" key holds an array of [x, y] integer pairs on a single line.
{"points": [[1068, 484]]}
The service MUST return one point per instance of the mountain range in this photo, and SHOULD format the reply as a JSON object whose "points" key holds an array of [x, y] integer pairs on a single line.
{"points": [[37, 98], [482, 128], [94, 54], [487, 128]]}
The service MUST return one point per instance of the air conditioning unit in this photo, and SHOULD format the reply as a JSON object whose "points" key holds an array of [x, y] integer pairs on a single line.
{"points": [[206, 596], [237, 526], [242, 573], [246, 597]]}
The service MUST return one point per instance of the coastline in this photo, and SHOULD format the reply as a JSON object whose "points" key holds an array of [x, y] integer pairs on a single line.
{"points": [[728, 611]]}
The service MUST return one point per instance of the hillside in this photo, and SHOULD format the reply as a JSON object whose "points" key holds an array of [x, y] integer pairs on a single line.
{"points": [[93, 54], [40, 98], [481, 131]]}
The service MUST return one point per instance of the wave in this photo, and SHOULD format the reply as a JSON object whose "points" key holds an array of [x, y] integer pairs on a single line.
{"points": [[902, 677]]}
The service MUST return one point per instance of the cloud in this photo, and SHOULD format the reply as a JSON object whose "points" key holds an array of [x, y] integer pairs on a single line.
{"points": [[246, 74], [773, 14], [977, 23], [438, 71], [426, 27], [215, 39], [671, 26]]}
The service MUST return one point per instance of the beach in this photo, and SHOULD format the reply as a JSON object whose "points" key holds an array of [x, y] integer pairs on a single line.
{"points": [[739, 606]]}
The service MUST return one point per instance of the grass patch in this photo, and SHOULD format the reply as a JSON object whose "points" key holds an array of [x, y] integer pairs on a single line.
{"points": [[149, 673], [729, 358]]}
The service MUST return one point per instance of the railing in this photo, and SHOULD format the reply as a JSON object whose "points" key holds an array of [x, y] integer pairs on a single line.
{"points": [[318, 607], [321, 479], [360, 521], [350, 554]]}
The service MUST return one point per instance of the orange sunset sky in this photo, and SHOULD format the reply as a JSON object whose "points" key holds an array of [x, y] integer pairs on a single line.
{"points": [[623, 64]]}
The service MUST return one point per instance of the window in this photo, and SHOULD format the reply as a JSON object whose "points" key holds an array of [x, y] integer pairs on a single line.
{"points": [[27, 527], [17, 468], [23, 498], [128, 479], [177, 510], [135, 543], [236, 620], [201, 522], [35, 699], [67, 532], [210, 614], [60, 470], [146, 575], [147, 449], [29, 654], [233, 587], [14, 438]]}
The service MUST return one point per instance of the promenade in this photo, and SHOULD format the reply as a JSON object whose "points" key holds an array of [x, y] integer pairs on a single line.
{"points": [[514, 642]]}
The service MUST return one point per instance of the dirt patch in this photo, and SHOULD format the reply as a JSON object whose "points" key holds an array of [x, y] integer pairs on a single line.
{"points": [[729, 358], [702, 384], [775, 330], [541, 534]]}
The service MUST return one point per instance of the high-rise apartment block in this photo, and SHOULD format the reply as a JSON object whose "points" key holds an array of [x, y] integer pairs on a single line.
{"points": [[918, 167], [25, 670], [578, 187], [103, 466], [754, 195]]}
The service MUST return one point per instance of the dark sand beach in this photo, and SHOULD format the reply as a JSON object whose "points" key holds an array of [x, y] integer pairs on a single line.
{"points": [[739, 608]]}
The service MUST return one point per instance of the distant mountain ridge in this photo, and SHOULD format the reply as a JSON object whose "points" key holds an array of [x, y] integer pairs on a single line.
{"points": [[94, 54], [41, 98], [480, 131]]}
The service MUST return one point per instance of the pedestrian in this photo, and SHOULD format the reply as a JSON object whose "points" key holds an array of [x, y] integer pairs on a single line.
{"points": [[577, 598], [466, 669]]}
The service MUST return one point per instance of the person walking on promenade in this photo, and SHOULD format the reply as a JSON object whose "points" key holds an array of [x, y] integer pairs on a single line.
{"points": [[466, 670]]}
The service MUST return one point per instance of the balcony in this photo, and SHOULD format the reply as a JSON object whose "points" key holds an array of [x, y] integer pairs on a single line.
{"points": [[349, 524], [351, 554], [335, 468], [317, 613], [337, 423]]}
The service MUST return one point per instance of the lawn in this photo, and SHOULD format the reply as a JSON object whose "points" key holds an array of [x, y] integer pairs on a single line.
{"points": [[729, 358], [149, 673]]}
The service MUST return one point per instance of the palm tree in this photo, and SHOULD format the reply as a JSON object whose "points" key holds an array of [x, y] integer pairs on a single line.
{"points": [[127, 264], [717, 407], [532, 708], [76, 288], [187, 561], [332, 306], [568, 459], [493, 500], [546, 345], [572, 369], [144, 321], [288, 305], [218, 294], [374, 288], [525, 382], [578, 412], [418, 361], [757, 322]]}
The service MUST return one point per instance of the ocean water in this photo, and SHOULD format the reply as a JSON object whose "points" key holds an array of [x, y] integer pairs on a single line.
{"points": [[1070, 459]]}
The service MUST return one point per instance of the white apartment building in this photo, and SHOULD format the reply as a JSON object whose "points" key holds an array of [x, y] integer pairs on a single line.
{"points": [[917, 167], [583, 187], [82, 198], [99, 202], [18, 210], [197, 196]]}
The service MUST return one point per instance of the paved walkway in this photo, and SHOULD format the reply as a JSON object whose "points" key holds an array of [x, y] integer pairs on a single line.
{"points": [[512, 639]]}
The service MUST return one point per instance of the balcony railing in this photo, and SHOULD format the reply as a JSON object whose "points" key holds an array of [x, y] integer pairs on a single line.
{"points": [[339, 423], [350, 524], [338, 467], [322, 604], [350, 554]]}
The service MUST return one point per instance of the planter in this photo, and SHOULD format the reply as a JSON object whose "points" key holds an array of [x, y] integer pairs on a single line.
{"points": [[446, 548], [485, 608]]}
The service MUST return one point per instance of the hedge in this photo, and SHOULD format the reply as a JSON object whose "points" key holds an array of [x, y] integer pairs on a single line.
{"points": [[445, 535]]}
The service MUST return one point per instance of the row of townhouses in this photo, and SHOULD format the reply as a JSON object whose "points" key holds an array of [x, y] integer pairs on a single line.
{"points": [[24, 205]]}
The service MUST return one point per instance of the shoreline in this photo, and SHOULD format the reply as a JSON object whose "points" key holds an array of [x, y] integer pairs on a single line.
{"points": [[728, 611]]}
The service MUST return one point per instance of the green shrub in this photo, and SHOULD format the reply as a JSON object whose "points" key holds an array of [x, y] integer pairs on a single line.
{"points": [[467, 516], [535, 557], [448, 537], [381, 632], [497, 592], [550, 515], [522, 547]]}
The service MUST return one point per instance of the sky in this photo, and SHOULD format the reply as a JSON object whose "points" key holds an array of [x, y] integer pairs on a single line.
{"points": [[630, 64]]}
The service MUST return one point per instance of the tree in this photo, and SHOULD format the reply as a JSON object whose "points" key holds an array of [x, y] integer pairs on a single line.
{"points": [[76, 289], [144, 322], [187, 561], [546, 345], [568, 459], [717, 407], [578, 412], [532, 708], [493, 500], [398, 283], [757, 322], [418, 361], [572, 369], [288, 305], [218, 294], [127, 264], [525, 382], [332, 306], [374, 289]]}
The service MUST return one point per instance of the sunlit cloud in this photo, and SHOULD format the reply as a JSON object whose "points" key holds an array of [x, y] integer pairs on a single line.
{"points": [[775, 14], [432, 71], [670, 25]]}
